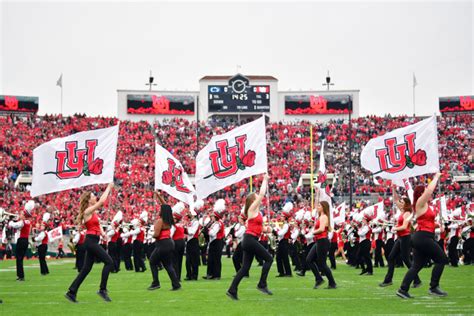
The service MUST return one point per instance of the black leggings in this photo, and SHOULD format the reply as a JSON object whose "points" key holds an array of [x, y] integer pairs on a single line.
{"points": [[251, 248], [21, 248], [93, 251], [425, 248], [401, 248], [80, 253], [42, 250], [320, 251], [163, 252]]}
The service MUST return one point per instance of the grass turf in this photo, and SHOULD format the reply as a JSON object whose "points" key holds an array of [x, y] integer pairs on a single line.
{"points": [[43, 295]]}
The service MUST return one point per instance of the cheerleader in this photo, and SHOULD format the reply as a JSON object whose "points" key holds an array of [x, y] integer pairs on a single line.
{"points": [[192, 244], [88, 217], [216, 242], [24, 225], [78, 240], [320, 249], [177, 233], [42, 240], [250, 245], [283, 261], [424, 243], [402, 246], [164, 247]]}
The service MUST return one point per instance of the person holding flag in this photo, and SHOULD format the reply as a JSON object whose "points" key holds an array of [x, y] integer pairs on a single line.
{"points": [[402, 246], [88, 205], [424, 243], [250, 244], [320, 249]]}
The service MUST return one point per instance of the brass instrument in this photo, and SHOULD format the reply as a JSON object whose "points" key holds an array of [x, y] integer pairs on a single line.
{"points": [[4, 215]]}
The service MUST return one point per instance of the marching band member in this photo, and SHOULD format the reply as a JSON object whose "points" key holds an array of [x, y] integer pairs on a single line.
{"points": [[363, 256], [79, 238], [378, 237], [250, 244], [423, 242], [24, 225], [88, 217], [42, 240], [192, 244], [402, 246], [150, 241], [309, 238], [295, 245], [468, 246], [177, 233], [113, 234], [127, 248], [333, 237], [283, 261], [138, 236], [216, 242], [239, 231], [164, 248], [453, 238], [320, 249]]}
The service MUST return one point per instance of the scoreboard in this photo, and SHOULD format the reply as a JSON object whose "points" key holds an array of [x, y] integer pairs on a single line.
{"points": [[456, 104], [19, 104], [239, 96]]}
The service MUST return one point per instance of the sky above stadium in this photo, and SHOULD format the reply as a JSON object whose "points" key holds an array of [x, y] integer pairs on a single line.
{"points": [[372, 46]]}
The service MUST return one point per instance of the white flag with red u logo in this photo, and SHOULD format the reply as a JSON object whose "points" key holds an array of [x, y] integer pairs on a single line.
{"points": [[171, 177], [231, 157], [75, 161], [55, 234], [405, 152]]}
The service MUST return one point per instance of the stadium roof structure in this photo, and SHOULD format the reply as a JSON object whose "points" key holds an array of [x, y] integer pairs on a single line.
{"points": [[250, 77]]}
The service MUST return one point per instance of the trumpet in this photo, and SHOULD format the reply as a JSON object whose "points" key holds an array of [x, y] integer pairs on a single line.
{"points": [[4, 215]]}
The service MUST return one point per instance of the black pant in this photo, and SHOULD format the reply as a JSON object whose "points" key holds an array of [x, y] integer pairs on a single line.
{"points": [[378, 253], [332, 257], [214, 264], [80, 254], [401, 249], [163, 252], [238, 257], [192, 259], [138, 256], [42, 250], [425, 248], [93, 251], [283, 262], [468, 251], [388, 247], [364, 258], [21, 248], [204, 254], [453, 251], [127, 256], [113, 252], [293, 253], [178, 256], [251, 247], [149, 250], [320, 252]]}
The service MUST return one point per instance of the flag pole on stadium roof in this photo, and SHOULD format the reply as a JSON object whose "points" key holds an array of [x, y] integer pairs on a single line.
{"points": [[60, 84]]}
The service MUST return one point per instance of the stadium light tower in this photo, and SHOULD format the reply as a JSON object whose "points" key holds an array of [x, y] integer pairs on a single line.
{"points": [[150, 81], [328, 81]]}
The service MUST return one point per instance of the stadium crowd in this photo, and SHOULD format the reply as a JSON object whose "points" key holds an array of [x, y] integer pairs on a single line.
{"points": [[288, 152]]}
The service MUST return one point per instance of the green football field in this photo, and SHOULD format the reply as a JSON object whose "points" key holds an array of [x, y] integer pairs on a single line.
{"points": [[44, 295]]}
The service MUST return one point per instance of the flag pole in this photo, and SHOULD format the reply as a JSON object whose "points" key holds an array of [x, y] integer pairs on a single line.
{"points": [[311, 164], [414, 85], [61, 98], [251, 183]]}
